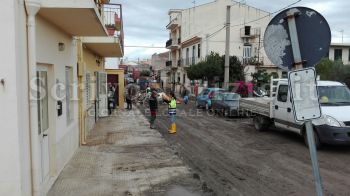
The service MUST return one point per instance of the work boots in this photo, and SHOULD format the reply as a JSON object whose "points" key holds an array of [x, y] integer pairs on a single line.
{"points": [[172, 129]]}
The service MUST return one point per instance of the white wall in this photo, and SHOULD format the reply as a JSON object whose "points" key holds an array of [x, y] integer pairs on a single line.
{"points": [[345, 53], [14, 142], [48, 37], [208, 18]]}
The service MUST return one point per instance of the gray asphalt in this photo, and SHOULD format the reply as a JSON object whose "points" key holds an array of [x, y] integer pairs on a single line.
{"points": [[231, 158]]}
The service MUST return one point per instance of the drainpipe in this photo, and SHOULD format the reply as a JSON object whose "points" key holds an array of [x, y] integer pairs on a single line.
{"points": [[32, 8], [81, 92]]}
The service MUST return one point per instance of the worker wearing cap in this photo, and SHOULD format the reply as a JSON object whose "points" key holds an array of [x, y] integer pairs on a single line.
{"points": [[172, 112]]}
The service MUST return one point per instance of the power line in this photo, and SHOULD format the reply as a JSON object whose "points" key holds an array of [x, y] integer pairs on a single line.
{"points": [[242, 24], [144, 47], [277, 11]]}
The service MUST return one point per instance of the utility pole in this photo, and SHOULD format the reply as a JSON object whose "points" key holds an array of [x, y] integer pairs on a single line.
{"points": [[227, 50]]}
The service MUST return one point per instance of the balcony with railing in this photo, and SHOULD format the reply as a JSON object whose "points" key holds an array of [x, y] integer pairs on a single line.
{"points": [[76, 18], [248, 32], [113, 44], [252, 61], [112, 15], [168, 63], [173, 24], [172, 44]]}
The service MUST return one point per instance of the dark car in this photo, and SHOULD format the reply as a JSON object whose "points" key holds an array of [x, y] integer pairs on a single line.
{"points": [[226, 103], [205, 97]]}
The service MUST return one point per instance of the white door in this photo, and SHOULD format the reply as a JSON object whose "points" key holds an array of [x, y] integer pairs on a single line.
{"points": [[102, 94], [283, 110], [43, 119]]}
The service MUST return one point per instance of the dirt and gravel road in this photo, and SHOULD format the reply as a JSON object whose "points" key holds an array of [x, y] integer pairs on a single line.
{"points": [[234, 159]]}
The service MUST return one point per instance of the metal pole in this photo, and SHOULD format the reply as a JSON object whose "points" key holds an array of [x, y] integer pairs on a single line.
{"points": [[227, 50], [308, 124]]}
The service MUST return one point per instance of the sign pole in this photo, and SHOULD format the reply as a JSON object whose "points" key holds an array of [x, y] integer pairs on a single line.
{"points": [[308, 124]]}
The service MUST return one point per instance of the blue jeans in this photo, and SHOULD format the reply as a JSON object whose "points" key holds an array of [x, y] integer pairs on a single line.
{"points": [[172, 118]]}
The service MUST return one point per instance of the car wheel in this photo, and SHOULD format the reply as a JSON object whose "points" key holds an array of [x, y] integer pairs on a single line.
{"points": [[226, 113], [197, 105], [261, 123], [318, 143], [207, 106]]}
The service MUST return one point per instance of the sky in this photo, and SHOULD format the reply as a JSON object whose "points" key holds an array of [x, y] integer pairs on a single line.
{"points": [[145, 20]]}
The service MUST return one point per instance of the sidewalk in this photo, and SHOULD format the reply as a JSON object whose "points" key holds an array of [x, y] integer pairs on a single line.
{"points": [[124, 157]]}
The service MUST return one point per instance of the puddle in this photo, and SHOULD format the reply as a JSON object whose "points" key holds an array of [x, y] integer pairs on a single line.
{"points": [[179, 191]]}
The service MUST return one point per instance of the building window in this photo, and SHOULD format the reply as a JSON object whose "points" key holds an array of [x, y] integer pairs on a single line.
{"points": [[69, 95], [338, 54], [193, 54], [247, 53], [88, 89], [199, 51]]}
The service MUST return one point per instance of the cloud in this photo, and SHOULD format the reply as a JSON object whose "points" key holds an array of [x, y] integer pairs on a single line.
{"points": [[145, 20]]}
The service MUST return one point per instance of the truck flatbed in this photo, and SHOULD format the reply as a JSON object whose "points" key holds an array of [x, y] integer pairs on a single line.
{"points": [[257, 105]]}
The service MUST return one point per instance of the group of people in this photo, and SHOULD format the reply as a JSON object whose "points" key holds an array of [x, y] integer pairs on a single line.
{"points": [[153, 105]]}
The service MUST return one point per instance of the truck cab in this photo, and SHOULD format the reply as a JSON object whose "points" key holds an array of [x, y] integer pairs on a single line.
{"points": [[334, 125]]}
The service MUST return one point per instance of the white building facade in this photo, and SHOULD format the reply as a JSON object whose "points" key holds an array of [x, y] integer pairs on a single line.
{"points": [[340, 51], [196, 32], [39, 102]]}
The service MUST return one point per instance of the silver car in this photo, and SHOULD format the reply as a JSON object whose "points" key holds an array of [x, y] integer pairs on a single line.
{"points": [[226, 103]]}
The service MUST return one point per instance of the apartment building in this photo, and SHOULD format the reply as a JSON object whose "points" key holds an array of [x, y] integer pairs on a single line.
{"points": [[196, 32], [49, 48], [340, 51]]}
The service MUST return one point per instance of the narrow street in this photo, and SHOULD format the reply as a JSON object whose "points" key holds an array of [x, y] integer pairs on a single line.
{"points": [[234, 159]]}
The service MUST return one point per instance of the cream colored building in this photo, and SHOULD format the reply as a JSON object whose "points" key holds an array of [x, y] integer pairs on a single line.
{"points": [[48, 49], [196, 32], [340, 51]]}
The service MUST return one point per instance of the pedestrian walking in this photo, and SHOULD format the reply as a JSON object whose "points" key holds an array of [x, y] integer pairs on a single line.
{"points": [[153, 106], [172, 111], [129, 94]]}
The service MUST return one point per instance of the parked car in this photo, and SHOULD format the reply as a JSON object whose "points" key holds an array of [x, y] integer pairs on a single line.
{"points": [[204, 98], [226, 103]]}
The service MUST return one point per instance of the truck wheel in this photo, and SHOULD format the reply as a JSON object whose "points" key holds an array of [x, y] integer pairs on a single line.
{"points": [[261, 123], [318, 143]]}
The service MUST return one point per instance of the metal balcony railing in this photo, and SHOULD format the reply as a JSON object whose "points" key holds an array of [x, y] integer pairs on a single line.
{"points": [[179, 63], [249, 32], [252, 60], [112, 17], [168, 63], [169, 43]]}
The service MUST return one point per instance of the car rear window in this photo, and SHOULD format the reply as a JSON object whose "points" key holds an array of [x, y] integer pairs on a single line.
{"points": [[232, 96]]}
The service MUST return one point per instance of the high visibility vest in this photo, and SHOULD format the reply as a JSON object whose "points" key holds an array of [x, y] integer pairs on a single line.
{"points": [[172, 106]]}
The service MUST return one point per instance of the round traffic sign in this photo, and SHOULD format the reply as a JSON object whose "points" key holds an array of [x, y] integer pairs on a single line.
{"points": [[313, 35]]}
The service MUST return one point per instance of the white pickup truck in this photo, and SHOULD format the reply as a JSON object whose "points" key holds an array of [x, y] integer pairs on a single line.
{"points": [[277, 110]]}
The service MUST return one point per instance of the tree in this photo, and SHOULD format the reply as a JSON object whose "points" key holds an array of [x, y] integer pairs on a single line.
{"points": [[333, 70], [145, 73], [261, 77], [214, 68]]}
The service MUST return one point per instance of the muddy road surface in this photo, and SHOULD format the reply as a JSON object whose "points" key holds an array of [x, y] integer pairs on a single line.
{"points": [[234, 159]]}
